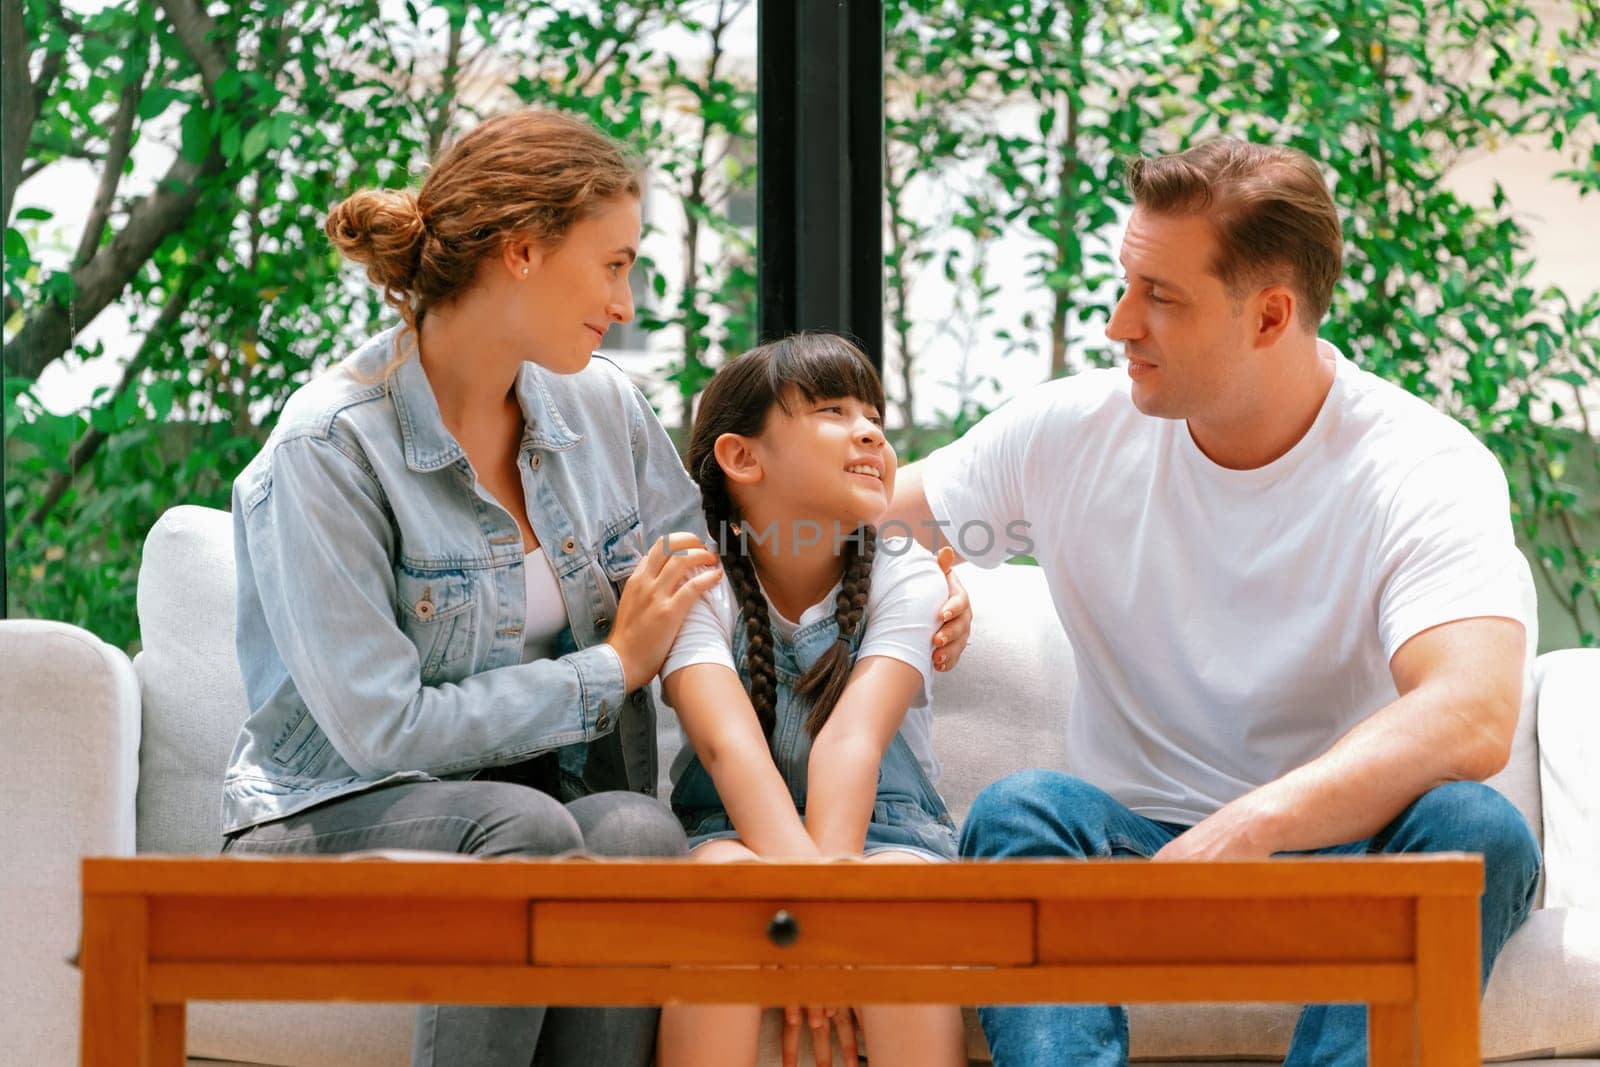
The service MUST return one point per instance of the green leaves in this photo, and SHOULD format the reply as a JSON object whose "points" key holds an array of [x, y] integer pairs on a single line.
{"points": [[196, 135], [16, 246], [1007, 123], [255, 143], [156, 101]]}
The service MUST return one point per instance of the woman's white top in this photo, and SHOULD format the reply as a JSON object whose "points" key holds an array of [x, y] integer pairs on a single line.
{"points": [[547, 612]]}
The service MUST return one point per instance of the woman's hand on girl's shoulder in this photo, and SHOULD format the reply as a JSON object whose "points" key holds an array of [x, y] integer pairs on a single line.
{"points": [[955, 615], [675, 573]]}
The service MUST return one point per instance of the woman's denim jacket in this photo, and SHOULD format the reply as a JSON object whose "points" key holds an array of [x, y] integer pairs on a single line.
{"points": [[382, 596]]}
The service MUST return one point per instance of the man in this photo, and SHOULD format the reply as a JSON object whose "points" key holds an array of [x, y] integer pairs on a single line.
{"points": [[1291, 587]]}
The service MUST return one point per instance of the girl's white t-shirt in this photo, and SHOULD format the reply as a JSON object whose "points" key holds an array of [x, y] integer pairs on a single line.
{"points": [[1230, 625], [906, 593]]}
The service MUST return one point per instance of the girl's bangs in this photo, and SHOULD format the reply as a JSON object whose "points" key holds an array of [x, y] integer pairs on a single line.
{"points": [[823, 366]]}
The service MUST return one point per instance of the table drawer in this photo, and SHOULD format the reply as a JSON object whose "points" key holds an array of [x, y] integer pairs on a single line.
{"points": [[1268, 931], [602, 933], [344, 930]]}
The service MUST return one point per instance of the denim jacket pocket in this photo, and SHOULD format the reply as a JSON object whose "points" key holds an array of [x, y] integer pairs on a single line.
{"points": [[621, 549], [300, 744], [436, 613]]}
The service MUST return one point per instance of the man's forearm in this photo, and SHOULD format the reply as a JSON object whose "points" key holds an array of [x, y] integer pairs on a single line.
{"points": [[909, 510], [1374, 772]]}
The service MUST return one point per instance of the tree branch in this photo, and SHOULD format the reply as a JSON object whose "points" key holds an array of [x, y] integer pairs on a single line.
{"points": [[37, 164], [116, 155], [48, 332], [24, 96], [898, 289], [197, 32], [17, 86], [84, 448], [1569, 604], [447, 87], [613, 48], [1575, 541], [1583, 412], [47, 78]]}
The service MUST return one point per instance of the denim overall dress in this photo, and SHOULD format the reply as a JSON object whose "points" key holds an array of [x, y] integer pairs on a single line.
{"points": [[908, 814]]}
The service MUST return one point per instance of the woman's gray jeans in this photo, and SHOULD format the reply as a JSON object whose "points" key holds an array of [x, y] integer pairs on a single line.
{"points": [[494, 818]]}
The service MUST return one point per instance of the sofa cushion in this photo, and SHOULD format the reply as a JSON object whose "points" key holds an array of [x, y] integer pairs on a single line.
{"points": [[1518, 782], [302, 1035], [1569, 755], [1543, 1000], [1004, 707], [1544, 995], [188, 672], [66, 790]]}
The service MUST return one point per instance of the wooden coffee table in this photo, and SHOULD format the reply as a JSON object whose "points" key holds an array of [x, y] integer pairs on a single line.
{"points": [[1397, 933]]}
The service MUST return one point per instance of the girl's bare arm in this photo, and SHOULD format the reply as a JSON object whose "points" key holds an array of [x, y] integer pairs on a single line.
{"points": [[842, 776], [722, 727]]}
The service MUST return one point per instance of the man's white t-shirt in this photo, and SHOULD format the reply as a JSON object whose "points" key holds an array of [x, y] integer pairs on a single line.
{"points": [[906, 591], [1230, 625]]}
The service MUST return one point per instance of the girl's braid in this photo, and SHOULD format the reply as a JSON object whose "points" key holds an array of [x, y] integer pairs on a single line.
{"points": [[740, 569], [824, 683]]}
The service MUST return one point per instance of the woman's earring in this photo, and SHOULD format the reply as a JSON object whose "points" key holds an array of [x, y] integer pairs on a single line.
{"points": [[524, 272]]}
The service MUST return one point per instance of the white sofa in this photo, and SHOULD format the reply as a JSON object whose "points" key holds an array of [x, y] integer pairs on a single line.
{"points": [[102, 757]]}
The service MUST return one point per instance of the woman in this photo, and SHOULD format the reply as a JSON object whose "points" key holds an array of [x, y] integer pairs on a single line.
{"points": [[464, 553]]}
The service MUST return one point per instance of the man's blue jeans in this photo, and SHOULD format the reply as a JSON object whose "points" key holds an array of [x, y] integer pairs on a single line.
{"points": [[1045, 813]]}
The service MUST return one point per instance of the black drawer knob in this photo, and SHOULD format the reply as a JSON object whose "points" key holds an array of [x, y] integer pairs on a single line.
{"points": [[784, 929]]}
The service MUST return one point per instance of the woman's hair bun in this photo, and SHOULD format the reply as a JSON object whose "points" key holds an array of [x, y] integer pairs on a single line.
{"points": [[382, 229]]}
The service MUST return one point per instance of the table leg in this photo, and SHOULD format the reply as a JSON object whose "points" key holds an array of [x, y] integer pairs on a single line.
{"points": [[1447, 981], [167, 1036], [116, 1006], [1392, 1035]]}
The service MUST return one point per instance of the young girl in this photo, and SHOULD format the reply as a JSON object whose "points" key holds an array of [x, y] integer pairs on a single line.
{"points": [[794, 675]]}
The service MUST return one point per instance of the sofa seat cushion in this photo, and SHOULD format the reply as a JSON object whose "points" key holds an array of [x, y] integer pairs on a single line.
{"points": [[302, 1035], [1543, 1000], [192, 692]]}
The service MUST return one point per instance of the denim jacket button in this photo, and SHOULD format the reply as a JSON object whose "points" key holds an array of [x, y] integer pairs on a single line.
{"points": [[424, 609], [537, 461], [602, 723], [570, 545], [602, 624]]}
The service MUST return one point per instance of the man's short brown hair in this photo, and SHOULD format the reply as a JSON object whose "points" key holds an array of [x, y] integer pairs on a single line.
{"points": [[1269, 208]]}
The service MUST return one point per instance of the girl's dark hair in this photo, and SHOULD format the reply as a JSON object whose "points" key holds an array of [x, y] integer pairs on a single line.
{"points": [[810, 366]]}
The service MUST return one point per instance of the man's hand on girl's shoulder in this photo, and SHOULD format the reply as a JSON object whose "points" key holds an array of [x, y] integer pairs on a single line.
{"points": [[955, 615]]}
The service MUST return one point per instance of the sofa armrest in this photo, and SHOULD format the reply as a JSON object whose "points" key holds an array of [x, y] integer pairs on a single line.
{"points": [[1569, 755], [69, 767]]}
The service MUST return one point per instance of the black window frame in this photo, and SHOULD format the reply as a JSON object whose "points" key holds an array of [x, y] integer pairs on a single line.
{"points": [[819, 172]]}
